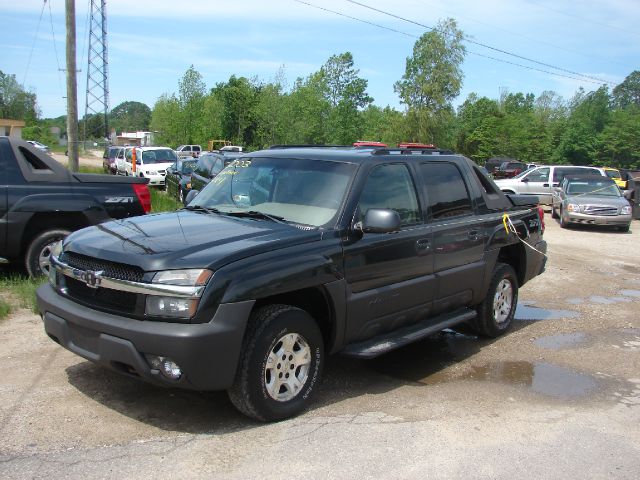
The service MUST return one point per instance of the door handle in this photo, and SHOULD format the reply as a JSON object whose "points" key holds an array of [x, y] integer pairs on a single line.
{"points": [[423, 244], [545, 184]]}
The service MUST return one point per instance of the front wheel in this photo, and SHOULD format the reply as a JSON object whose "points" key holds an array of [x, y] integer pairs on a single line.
{"points": [[496, 312], [280, 365], [38, 255]]}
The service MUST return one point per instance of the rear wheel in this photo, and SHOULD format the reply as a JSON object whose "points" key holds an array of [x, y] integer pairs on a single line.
{"points": [[496, 312], [38, 255], [281, 363]]}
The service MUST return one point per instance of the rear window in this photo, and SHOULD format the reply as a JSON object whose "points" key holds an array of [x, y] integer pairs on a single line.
{"points": [[447, 193]]}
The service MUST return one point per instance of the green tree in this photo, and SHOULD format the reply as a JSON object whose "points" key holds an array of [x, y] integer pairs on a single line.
{"points": [[15, 102], [130, 117], [166, 121], [239, 98], [432, 79], [618, 144], [191, 94], [628, 92]]}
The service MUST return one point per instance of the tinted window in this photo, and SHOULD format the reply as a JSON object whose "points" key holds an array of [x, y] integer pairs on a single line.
{"points": [[539, 175], [560, 172], [203, 167], [446, 190], [217, 167], [391, 186]]}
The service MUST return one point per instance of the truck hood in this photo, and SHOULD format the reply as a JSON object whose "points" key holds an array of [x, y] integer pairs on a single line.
{"points": [[184, 239]]}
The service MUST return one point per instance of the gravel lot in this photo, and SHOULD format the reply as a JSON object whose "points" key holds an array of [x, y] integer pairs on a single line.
{"points": [[557, 397]]}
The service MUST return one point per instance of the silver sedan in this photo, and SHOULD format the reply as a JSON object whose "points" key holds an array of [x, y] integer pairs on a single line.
{"points": [[591, 200]]}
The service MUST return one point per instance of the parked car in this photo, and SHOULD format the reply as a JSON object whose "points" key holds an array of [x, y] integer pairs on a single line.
{"points": [[494, 163], [209, 165], [591, 200], [41, 202], [333, 250], [39, 146], [509, 169], [178, 179], [540, 181], [151, 163], [189, 151], [109, 158]]}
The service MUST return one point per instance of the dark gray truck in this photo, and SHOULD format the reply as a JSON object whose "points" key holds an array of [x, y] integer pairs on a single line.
{"points": [[288, 255], [41, 202]]}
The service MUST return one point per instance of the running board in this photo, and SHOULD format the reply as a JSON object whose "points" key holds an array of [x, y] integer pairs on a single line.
{"points": [[399, 338]]}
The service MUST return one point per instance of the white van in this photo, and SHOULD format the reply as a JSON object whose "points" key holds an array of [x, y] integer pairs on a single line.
{"points": [[541, 180], [151, 163]]}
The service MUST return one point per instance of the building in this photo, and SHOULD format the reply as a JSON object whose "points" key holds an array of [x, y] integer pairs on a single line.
{"points": [[11, 128], [140, 139]]}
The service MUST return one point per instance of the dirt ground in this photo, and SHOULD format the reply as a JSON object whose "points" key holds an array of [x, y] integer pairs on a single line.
{"points": [[557, 397]]}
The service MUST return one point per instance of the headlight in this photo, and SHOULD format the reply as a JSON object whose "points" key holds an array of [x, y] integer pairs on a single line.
{"points": [[190, 277], [573, 207], [151, 172], [626, 210], [176, 307]]}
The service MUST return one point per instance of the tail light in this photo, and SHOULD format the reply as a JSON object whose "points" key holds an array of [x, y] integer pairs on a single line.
{"points": [[541, 215], [144, 197]]}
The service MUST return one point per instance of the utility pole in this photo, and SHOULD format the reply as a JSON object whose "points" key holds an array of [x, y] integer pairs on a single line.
{"points": [[97, 93], [72, 87]]}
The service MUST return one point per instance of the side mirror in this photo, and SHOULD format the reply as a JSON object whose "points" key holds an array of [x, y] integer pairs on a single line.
{"points": [[525, 180], [138, 162], [628, 194], [190, 196], [381, 220], [557, 189]]}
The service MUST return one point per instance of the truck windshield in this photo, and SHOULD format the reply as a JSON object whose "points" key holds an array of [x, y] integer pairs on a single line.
{"points": [[308, 192]]}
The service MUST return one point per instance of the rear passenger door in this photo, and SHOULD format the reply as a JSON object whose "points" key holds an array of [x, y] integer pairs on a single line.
{"points": [[458, 235], [390, 275]]}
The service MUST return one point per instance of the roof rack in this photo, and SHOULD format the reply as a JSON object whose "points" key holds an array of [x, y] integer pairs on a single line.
{"points": [[277, 147], [369, 144], [412, 151], [421, 146]]}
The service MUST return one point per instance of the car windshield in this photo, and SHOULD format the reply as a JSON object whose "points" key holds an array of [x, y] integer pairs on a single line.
{"points": [[599, 188], [187, 167], [307, 192], [159, 156]]}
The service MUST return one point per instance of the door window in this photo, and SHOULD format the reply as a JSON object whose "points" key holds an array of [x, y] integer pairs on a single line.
{"points": [[447, 193], [539, 175], [390, 186]]}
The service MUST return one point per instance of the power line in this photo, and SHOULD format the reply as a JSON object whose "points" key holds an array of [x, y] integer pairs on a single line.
{"points": [[55, 49], [33, 45], [480, 44], [468, 51]]}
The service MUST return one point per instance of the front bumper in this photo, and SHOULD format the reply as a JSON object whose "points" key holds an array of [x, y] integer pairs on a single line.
{"points": [[207, 353], [584, 219]]}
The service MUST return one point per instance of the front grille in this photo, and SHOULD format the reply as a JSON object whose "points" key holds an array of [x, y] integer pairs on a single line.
{"points": [[119, 271], [600, 210], [105, 298]]}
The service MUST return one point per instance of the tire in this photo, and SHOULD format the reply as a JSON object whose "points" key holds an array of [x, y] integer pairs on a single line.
{"points": [[496, 312], [554, 214], [37, 255], [273, 331], [563, 224], [624, 228]]}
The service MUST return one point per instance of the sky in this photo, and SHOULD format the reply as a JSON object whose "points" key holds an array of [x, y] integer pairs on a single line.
{"points": [[151, 43]]}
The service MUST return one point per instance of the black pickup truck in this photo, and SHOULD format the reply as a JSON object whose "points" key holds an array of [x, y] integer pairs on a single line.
{"points": [[41, 202], [288, 255]]}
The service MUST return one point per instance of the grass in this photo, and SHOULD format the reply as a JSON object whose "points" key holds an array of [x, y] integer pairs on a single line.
{"points": [[161, 202], [18, 291]]}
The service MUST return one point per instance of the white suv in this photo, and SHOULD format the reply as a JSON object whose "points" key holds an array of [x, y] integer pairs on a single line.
{"points": [[189, 151], [541, 180], [151, 163]]}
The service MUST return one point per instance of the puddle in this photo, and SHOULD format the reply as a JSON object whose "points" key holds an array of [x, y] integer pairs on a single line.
{"points": [[526, 312], [575, 301], [627, 339], [630, 293], [543, 378], [608, 300], [563, 340]]}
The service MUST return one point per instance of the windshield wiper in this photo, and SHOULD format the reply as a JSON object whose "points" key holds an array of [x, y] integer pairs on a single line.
{"points": [[256, 214], [200, 208]]}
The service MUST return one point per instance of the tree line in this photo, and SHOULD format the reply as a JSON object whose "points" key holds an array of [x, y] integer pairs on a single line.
{"points": [[332, 106]]}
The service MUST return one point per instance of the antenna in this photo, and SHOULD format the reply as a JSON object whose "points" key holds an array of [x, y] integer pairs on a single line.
{"points": [[97, 96]]}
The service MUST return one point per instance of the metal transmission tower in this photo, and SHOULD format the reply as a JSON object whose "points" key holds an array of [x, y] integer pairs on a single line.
{"points": [[97, 99]]}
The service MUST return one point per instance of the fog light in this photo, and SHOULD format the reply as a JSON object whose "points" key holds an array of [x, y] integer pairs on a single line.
{"points": [[165, 365]]}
